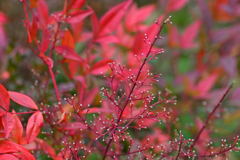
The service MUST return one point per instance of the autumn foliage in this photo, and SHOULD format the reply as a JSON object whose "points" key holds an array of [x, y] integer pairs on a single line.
{"points": [[95, 91]]}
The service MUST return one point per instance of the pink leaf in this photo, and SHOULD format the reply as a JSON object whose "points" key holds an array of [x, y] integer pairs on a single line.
{"points": [[34, 124], [96, 110], [189, 34], [89, 96], [78, 16], [95, 24], [229, 63], [136, 16], [4, 100], [45, 41], [8, 123], [42, 10], [33, 28], [69, 53], [206, 84], [22, 99], [113, 17], [75, 125], [101, 66], [174, 5]]}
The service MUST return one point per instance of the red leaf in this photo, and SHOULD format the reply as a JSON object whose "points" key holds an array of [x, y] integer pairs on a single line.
{"points": [[75, 125], [76, 4], [33, 31], [8, 123], [17, 130], [8, 147], [34, 124], [96, 110], [4, 100], [113, 17], [45, 41], [22, 99], [69, 53], [189, 34], [68, 40], [42, 10], [46, 147], [95, 24], [205, 85], [78, 16], [174, 5], [89, 96], [101, 66], [65, 8], [136, 16]]}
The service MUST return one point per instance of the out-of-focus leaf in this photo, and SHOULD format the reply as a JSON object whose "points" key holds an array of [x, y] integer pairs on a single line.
{"points": [[136, 16], [174, 5], [189, 35], [218, 13], [113, 17], [34, 28], [101, 66], [97, 110], [68, 40], [107, 39], [45, 41], [78, 16], [75, 125], [81, 79], [69, 53], [206, 17], [42, 10], [89, 96], [22, 99], [95, 24], [48, 149]]}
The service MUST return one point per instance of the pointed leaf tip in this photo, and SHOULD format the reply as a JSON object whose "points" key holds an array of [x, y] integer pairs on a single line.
{"points": [[22, 99]]}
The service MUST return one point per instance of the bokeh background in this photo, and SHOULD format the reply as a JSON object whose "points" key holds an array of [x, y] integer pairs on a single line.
{"points": [[201, 59]]}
